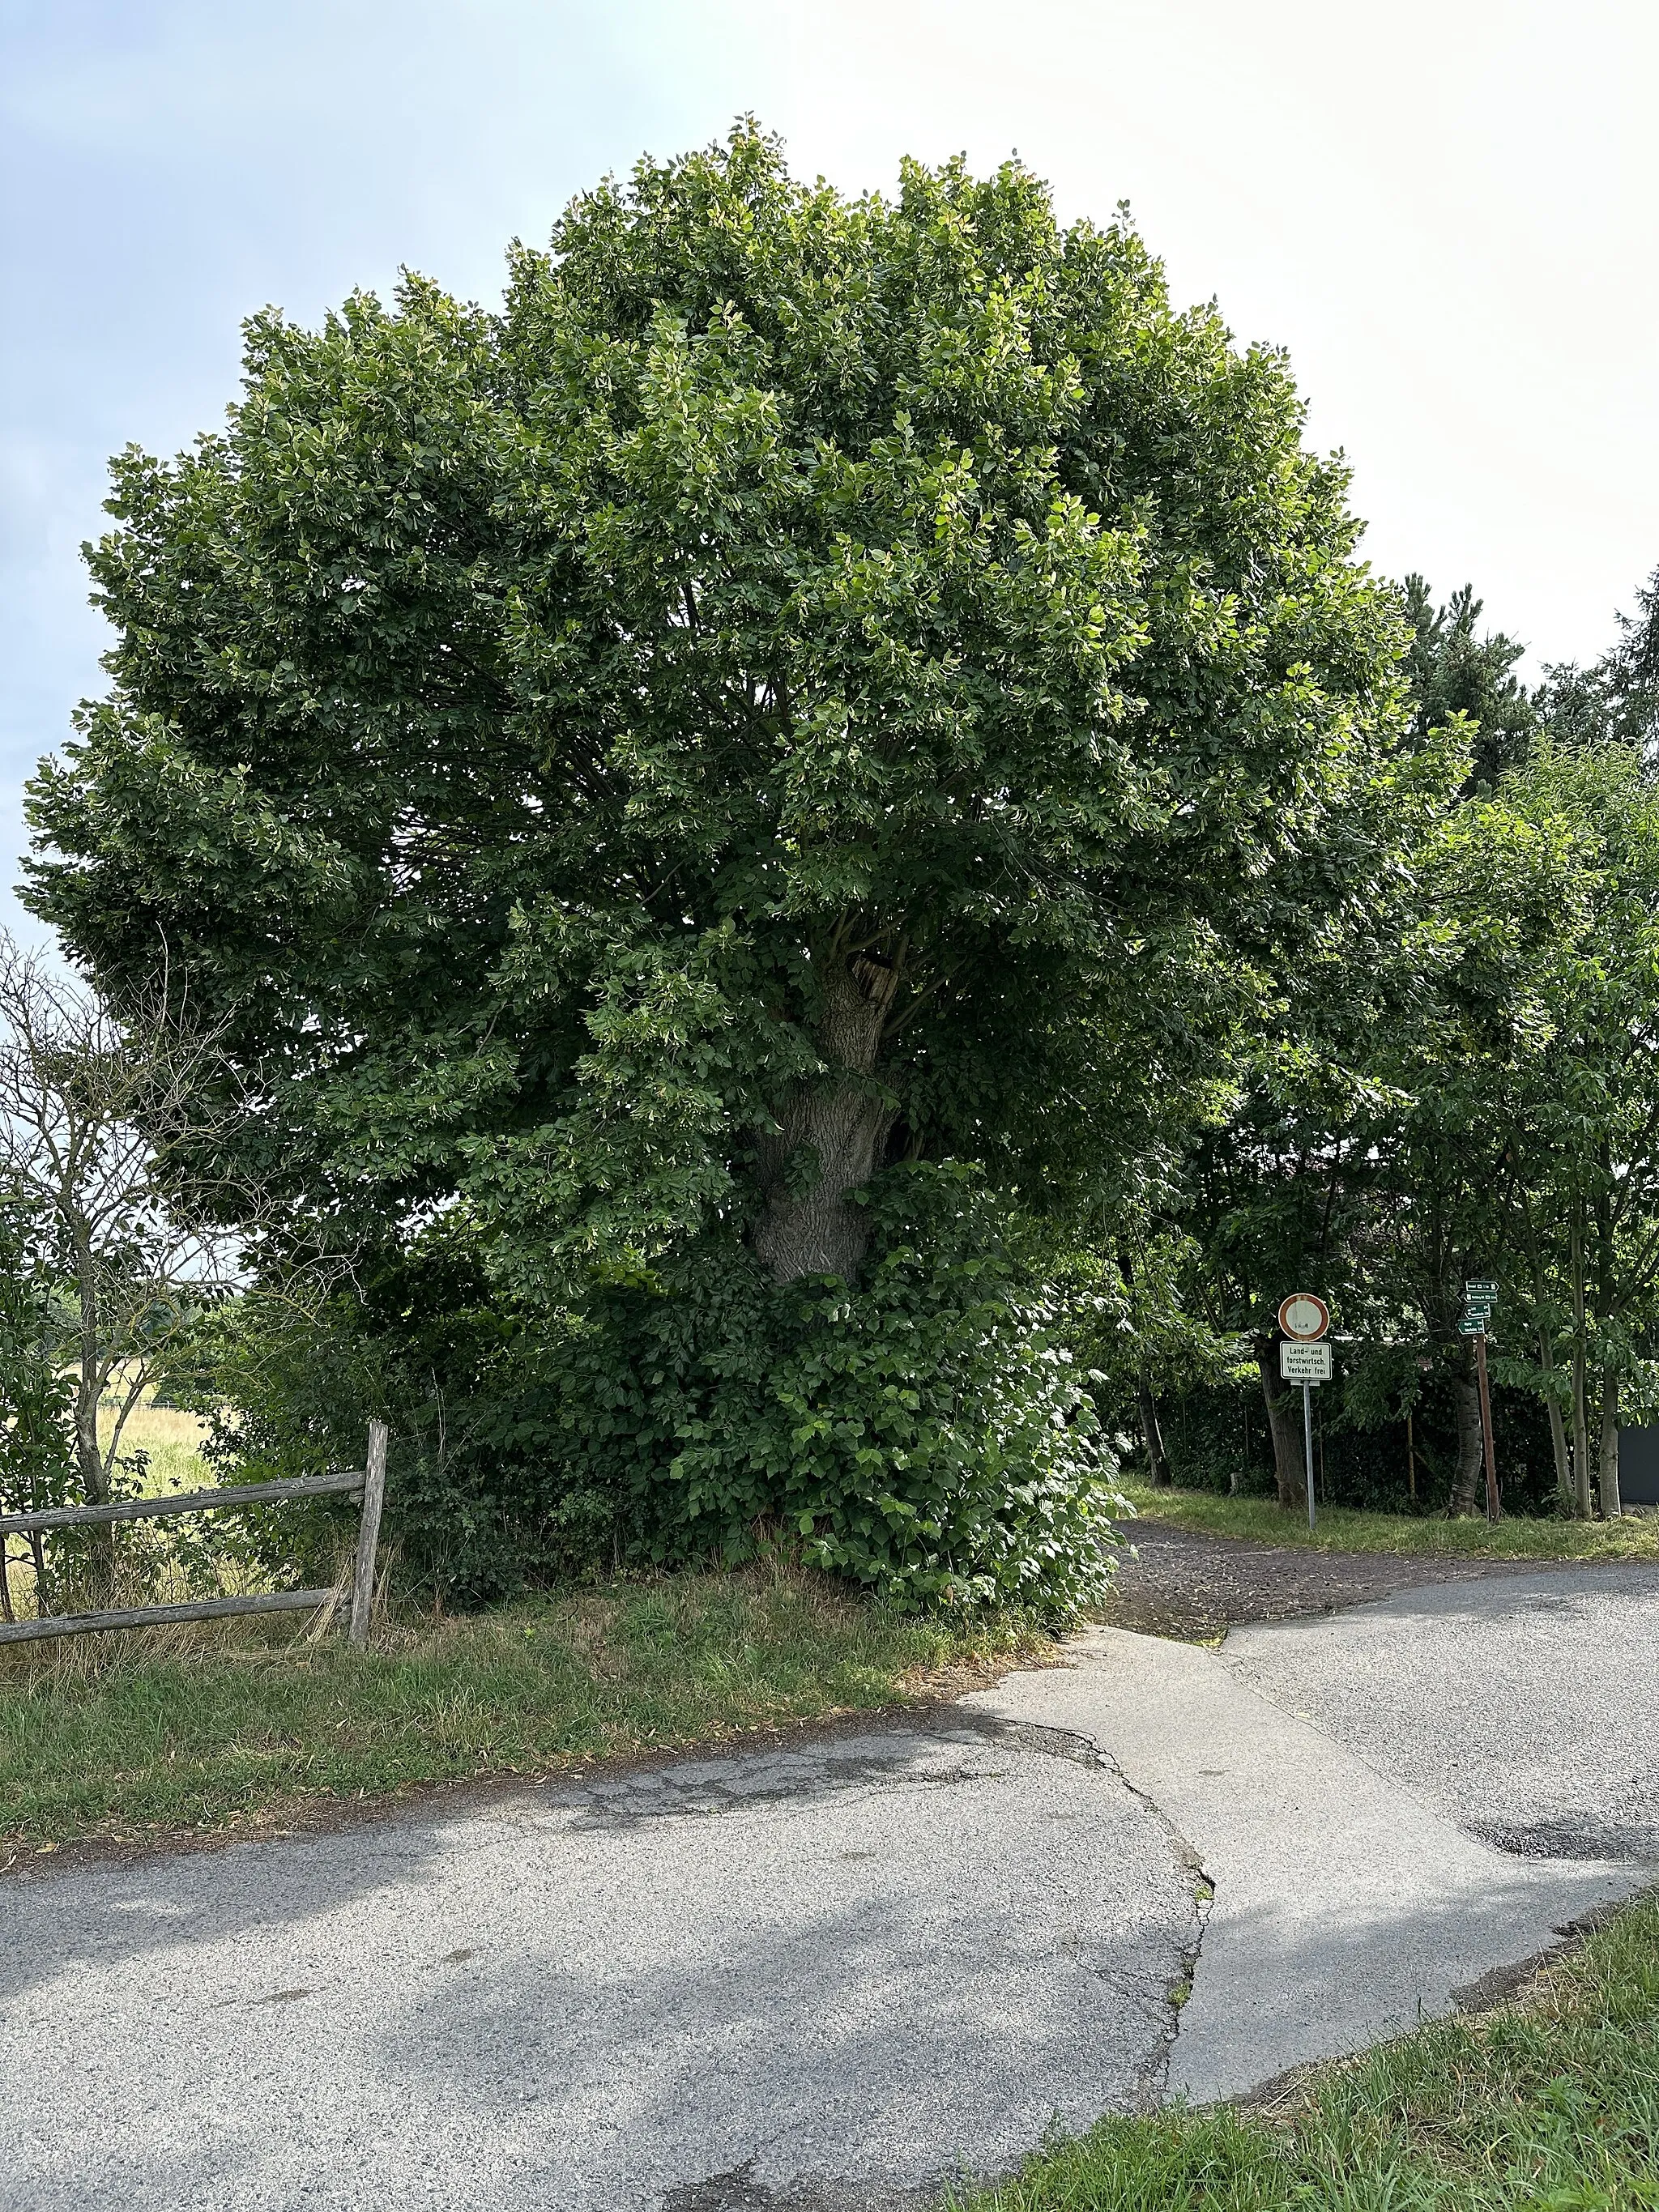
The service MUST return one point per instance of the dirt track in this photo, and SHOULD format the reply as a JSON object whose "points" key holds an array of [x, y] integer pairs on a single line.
{"points": [[1172, 1581]]}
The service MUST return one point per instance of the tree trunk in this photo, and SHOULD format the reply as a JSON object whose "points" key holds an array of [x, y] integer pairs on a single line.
{"points": [[831, 1132], [94, 1476], [1606, 1302], [1158, 1465], [1612, 1505], [1471, 1470], [1557, 1427], [88, 1456], [1290, 1473], [1580, 1468], [43, 1599]]}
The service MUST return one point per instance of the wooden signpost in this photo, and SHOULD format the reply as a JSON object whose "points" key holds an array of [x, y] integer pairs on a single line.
{"points": [[1305, 1358], [1479, 1297]]}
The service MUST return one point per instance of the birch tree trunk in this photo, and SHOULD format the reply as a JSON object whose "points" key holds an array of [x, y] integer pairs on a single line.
{"points": [[1581, 1468], [1557, 1427], [1470, 1470], [1156, 1462]]}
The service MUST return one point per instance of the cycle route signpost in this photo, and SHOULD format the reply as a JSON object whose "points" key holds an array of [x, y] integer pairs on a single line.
{"points": [[1305, 1357], [1479, 1297]]}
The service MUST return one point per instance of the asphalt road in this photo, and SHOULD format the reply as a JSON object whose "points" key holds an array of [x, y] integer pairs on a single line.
{"points": [[820, 1979], [1527, 1708], [827, 1978]]}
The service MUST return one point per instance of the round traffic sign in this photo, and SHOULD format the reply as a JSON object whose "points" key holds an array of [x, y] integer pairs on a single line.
{"points": [[1303, 1317]]}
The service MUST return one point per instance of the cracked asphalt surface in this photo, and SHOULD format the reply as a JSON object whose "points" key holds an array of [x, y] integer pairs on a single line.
{"points": [[824, 1978], [819, 1978]]}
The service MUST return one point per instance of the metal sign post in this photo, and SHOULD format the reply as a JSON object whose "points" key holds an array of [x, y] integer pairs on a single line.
{"points": [[1303, 1359]]}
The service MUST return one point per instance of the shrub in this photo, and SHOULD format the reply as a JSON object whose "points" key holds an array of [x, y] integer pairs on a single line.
{"points": [[925, 1434]]}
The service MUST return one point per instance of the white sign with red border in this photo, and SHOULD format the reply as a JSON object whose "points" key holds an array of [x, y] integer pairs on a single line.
{"points": [[1303, 1317]]}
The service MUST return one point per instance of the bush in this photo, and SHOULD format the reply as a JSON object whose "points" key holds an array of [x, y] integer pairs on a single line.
{"points": [[925, 1435], [1218, 1439]]}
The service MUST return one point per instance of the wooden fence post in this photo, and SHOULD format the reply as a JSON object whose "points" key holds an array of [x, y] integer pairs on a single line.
{"points": [[369, 1534]]}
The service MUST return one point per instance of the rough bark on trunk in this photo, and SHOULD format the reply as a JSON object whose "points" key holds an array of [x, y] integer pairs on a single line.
{"points": [[1612, 1505], [1284, 1426], [830, 1134], [1158, 1465], [1471, 1471], [1557, 1427], [1581, 1466]]}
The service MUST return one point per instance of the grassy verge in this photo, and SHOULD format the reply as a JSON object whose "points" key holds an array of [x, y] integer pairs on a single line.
{"points": [[234, 1723], [1342, 1530], [1552, 2105]]}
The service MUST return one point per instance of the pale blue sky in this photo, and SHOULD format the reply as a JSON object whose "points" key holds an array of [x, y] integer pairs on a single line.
{"points": [[1447, 211]]}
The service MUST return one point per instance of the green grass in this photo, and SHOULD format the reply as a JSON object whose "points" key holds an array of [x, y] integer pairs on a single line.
{"points": [[232, 1722], [1343, 1530], [1550, 2106]]}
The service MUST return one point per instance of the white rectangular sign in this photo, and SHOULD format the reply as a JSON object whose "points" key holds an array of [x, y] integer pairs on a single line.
{"points": [[1304, 1362]]}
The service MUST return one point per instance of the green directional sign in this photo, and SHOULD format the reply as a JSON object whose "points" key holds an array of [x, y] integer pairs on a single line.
{"points": [[1480, 1297]]}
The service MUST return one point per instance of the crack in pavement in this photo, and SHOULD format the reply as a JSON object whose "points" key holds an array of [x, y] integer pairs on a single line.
{"points": [[1342, 1908], [827, 1977], [702, 1788], [890, 1959]]}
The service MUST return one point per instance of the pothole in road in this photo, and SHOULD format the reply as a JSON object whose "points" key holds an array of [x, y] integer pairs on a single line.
{"points": [[1600, 1840]]}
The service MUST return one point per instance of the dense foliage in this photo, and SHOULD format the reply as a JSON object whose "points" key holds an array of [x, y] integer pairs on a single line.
{"points": [[813, 688], [36, 1395], [1483, 1103], [816, 875]]}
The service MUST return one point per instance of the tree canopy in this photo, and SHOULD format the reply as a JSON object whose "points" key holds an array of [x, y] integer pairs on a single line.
{"points": [[717, 804], [811, 677]]}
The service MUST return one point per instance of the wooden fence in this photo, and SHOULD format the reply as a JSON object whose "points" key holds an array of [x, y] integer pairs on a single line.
{"points": [[368, 1483]]}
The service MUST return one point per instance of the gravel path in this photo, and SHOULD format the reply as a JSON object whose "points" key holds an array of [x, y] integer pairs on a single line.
{"points": [[1175, 1582]]}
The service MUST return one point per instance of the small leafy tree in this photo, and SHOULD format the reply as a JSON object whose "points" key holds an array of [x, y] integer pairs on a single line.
{"points": [[1576, 1122], [111, 1219]]}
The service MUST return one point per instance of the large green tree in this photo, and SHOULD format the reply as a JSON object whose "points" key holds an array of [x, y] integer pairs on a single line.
{"points": [[812, 684]]}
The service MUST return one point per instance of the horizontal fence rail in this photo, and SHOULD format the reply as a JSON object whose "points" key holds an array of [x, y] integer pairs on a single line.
{"points": [[184, 1501], [368, 1483], [155, 1616]]}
